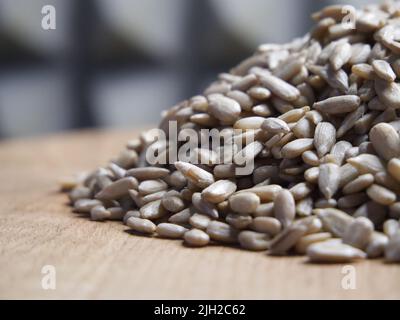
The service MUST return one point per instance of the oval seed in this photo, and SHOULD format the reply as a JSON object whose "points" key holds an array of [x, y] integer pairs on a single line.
{"points": [[359, 184], [219, 191], [268, 225], [170, 230], [359, 232], [141, 225], [284, 207], [333, 251], [222, 232], [386, 141], [381, 195], [255, 241], [196, 238], [244, 202]]}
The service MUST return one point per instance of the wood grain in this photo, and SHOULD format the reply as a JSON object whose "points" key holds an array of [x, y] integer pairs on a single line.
{"points": [[96, 260]]}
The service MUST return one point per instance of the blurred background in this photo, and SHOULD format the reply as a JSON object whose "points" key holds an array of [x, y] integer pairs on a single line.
{"points": [[119, 63]]}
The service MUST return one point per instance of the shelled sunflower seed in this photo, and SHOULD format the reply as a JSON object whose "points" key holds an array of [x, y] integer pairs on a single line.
{"points": [[322, 113]]}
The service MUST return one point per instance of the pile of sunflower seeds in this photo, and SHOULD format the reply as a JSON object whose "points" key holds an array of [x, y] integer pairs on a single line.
{"points": [[323, 111]]}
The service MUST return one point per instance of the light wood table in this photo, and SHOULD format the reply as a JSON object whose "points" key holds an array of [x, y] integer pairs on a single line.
{"points": [[102, 260]]}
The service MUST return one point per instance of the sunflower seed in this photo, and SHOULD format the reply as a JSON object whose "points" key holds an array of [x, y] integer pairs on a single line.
{"points": [[255, 241], [333, 251], [381, 195], [196, 238], [284, 207], [338, 105], [170, 230], [244, 202], [141, 225], [386, 141], [359, 184], [222, 232], [194, 174]]}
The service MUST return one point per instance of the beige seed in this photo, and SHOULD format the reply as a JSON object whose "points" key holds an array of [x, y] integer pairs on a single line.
{"points": [[279, 87], [339, 150], [284, 207], [310, 158], [170, 230], [268, 225], [333, 251], [132, 213], [196, 238], [367, 163], [287, 239], [219, 191], [297, 147], [181, 217], [265, 193], [204, 206], [311, 175], [395, 211], [194, 174], [338, 105], [151, 186], [254, 241], [334, 220], [275, 125], [244, 100], [341, 55], [328, 179], [222, 232], [388, 93], [304, 207], [223, 108], [86, 205], [238, 221], [127, 159], [376, 246], [381, 195], [141, 225], [300, 190], [264, 210], [79, 192], [391, 228], [359, 232], [392, 250], [324, 138], [244, 202], [199, 221], [394, 168], [148, 173], [307, 240], [359, 184], [249, 123], [386, 141], [99, 213], [173, 204], [352, 201], [152, 210], [117, 189], [383, 70], [259, 93]]}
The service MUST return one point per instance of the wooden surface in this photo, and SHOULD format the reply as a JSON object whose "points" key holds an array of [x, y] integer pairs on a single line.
{"points": [[102, 260]]}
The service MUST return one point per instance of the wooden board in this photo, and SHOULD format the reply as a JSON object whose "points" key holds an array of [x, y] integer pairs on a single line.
{"points": [[97, 260]]}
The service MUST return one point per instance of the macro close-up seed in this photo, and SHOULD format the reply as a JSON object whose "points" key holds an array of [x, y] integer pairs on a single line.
{"points": [[296, 150]]}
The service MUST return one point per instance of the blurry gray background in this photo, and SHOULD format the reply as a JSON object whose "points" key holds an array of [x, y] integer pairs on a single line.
{"points": [[119, 63]]}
